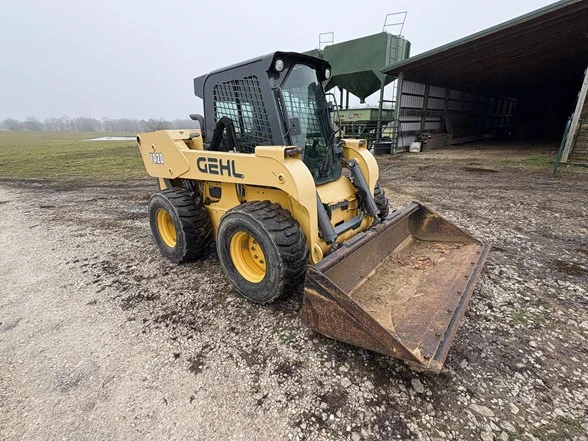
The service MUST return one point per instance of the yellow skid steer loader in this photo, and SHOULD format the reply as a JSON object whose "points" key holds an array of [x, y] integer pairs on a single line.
{"points": [[290, 205]]}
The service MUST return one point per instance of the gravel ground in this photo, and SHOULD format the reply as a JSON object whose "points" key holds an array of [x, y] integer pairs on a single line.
{"points": [[100, 338]]}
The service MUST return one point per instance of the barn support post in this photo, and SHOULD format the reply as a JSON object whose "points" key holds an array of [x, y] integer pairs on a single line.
{"points": [[397, 110], [380, 106], [575, 119], [425, 107]]}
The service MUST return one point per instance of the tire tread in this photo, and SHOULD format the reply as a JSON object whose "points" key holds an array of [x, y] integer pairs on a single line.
{"points": [[286, 233], [381, 201], [194, 220]]}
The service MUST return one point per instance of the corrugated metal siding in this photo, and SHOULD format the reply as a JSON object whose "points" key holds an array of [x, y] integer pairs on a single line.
{"points": [[405, 140], [433, 125], [455, 95], [438, 92], [436, 103], [461, 115], [411, 126], [413, 88], [412, 102]]}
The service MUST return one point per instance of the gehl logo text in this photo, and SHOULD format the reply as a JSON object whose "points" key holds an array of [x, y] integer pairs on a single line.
{"points": [[216, 166]]}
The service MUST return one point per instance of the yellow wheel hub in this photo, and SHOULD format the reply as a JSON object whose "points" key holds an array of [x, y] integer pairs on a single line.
{"points": [[247, 257], [165, 226]]}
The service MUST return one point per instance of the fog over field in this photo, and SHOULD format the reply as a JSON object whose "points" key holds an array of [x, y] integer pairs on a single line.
{"points": [[122, 58]]}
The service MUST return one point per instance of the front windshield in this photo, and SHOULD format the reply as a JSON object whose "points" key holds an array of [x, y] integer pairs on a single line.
{"points": [[305, 101]]}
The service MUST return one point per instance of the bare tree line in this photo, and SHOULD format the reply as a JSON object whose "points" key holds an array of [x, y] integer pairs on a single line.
{"points": [[86, 124]]}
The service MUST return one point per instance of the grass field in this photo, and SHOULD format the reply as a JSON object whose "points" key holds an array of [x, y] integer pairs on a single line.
{"points": [[67, 156], [54, 155]]}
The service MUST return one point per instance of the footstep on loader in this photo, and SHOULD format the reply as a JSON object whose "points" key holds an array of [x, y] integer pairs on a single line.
{"points": [[291, 205]]}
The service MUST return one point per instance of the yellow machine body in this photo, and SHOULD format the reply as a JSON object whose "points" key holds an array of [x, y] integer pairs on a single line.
{"points": [[274, 173]]}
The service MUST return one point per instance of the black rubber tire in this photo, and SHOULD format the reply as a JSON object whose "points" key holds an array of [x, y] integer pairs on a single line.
{"points": [[190, 220], [283, 244], [381, 201]]}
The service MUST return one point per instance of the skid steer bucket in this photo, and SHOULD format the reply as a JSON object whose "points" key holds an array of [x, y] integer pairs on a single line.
{"points": [[400, 289]]}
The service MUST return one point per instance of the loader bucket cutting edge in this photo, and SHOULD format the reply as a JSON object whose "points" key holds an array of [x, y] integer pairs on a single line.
{"points": [[400, 289]]}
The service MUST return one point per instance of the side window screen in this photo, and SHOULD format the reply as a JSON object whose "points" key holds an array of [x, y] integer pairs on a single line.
{"points": [[305, 100], [242, 102]]}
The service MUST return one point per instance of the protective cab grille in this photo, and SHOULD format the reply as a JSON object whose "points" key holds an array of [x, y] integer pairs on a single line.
{"points": [[241, 100], [300, 104]]}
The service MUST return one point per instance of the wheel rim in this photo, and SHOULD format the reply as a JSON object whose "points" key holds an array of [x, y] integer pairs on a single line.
{"points": [[248, 257], [166, 228]]}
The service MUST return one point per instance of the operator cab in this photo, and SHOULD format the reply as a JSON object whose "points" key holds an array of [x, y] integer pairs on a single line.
{"points": [[274, 100]]}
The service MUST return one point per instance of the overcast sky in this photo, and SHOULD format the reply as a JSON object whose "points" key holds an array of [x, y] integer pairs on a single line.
{"points": [[137, 59]]}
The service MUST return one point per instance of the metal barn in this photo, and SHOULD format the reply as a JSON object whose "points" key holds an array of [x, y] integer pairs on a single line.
{"points": [[520, 80]]}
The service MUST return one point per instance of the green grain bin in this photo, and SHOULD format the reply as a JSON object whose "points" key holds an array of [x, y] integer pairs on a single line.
{"points": [[356, 64]]}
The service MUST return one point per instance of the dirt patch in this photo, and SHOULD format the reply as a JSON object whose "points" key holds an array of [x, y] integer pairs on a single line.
{"points": [[479, 170], [413, 280], [9, 325], [197, 362], [131, 301], [570, 268], [288, 369]]}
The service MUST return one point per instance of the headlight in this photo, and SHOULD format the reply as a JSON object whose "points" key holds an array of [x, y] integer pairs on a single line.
{"points": [[279, 65], [327, 73]]}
